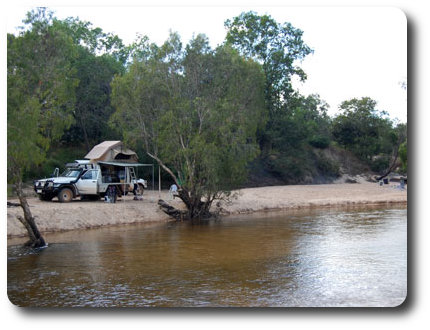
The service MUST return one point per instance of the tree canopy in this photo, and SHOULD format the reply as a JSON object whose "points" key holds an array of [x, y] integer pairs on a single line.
{"points": [[41, 86], [276, 46], [197, 111], [40, 100], [363, 129]]}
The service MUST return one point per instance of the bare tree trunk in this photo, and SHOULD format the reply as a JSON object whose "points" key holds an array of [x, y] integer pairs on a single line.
{"points": [[393, 162], [389, 170], [179, 215], [84, 130], [35, 238], [400, 139]]}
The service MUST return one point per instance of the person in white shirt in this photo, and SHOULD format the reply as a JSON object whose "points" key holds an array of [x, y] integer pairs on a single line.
{"points": [[173, 190]]}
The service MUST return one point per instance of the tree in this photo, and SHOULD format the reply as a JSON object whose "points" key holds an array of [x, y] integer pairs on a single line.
{"points": [[92, 108], [40, 99], [94, 39], [196, 111], [403, 154], [304, 121], [301, 127], [367, 132], [99, 57], [276, 46]]}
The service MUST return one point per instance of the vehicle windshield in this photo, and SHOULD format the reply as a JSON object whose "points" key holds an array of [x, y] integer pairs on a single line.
{"points": [[71, 173]]}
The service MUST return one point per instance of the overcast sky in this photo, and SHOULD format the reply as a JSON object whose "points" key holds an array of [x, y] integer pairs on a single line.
{"points": [[358, 52]]}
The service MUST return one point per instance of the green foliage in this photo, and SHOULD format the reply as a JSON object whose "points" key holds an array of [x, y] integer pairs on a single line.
{"points": [[99, 57], [294, 121], [303, 121], [92, 107], [302, 125], [319, 141], [327, 167], [276, 46], [59, 75], [403, 154], [57, 156], [291, 169], [306, 165], [94, 39], [40, 91], [195, 109], [364, 130], [380, 164]]}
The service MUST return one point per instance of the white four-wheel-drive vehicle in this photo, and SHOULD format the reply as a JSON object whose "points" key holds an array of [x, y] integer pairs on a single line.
{"points": [[90, 180]]}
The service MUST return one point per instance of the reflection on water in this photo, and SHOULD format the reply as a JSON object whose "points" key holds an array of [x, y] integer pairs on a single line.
{"points": [[319, 258]]}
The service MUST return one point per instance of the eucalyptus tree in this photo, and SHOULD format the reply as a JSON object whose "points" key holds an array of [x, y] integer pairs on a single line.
{"points": [[369, 133], [277, 46], [403, 155], [40, 99], [196, 111], [360, 126], [100, 56]]}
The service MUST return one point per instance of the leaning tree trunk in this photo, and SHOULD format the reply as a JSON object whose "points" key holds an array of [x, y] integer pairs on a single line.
{"points": [[393, 164], [179, 215], [35, 238], [388, 171]]}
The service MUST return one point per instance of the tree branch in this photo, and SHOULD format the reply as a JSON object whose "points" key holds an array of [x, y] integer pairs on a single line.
{"points": [[168, 170]]}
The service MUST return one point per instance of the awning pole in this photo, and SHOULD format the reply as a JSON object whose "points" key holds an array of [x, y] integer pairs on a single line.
{"points": [[153, 185], [159, 182]]}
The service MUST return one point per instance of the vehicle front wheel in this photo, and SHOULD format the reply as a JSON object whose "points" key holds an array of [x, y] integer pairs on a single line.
{"points": [[65, 195]]}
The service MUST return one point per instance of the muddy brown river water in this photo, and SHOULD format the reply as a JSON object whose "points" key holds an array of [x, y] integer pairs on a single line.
{"points": [[320, 258]]}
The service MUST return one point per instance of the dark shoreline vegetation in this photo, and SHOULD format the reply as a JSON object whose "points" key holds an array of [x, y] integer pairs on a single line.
{"points": [[214, 120]]}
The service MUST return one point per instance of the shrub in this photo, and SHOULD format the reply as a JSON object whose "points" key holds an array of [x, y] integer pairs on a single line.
{"points": [[319, 141], [380, 164], [327, 166]]}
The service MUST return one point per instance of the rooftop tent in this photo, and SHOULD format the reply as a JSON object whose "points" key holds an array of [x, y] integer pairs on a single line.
{"points": [[110, 151]]}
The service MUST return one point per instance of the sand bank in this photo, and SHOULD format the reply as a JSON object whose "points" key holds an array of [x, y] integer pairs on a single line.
{"points": [[54, 216]]}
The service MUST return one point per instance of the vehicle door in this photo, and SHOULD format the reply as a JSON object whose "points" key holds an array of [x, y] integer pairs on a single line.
{"points": [[87, 184]]}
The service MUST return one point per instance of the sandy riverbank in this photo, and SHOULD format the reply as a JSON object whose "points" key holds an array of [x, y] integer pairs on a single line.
{"points": [[54, 216]]}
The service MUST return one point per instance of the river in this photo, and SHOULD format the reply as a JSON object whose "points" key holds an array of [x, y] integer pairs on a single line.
{"points": [[319, 258]]}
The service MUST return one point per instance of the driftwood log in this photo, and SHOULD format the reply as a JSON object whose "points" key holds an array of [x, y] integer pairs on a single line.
{"points": [[179, 215]]}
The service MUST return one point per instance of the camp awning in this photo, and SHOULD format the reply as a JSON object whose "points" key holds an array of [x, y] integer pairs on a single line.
{"points": [[124, 164]]}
